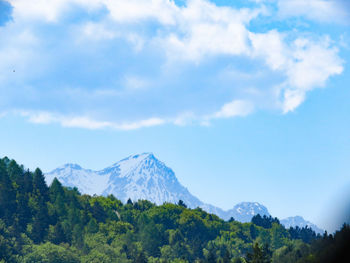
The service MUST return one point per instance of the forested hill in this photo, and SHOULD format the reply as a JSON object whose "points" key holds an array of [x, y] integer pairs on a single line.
{"points": [[57, 224]]}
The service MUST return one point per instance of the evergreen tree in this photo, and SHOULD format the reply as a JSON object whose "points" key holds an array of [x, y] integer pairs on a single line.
{"points": [[181, 203], [15, 173], [92, 226], [227, 257], [55, 190], [40, 186], [253, 231], [211, 257], [98, 212], [56, 235], [7, 196], [141, 258], [259, 254], [41, 220], [23, 213]]}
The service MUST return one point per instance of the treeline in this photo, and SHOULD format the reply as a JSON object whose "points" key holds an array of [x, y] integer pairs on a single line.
{"points": [[40, 223]]}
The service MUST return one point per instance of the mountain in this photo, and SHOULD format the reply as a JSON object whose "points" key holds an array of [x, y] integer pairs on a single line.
{"points": [[143, 176], [300, 222], [73, 175], [244, 211], [140, 176]]}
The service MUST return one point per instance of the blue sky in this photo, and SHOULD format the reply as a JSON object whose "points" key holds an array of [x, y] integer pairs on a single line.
{"points": [[244, 100]]}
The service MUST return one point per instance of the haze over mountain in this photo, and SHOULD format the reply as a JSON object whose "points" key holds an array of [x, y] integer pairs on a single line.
{"points": [[143, 176]]}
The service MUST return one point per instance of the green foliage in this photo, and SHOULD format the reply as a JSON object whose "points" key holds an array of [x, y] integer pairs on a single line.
{"points": [[57, 224], [264, 221], [50, 253], [305, 233], [260, 254]]}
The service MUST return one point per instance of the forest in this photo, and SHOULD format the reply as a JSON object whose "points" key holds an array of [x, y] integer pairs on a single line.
{"points": [[41, 223]]}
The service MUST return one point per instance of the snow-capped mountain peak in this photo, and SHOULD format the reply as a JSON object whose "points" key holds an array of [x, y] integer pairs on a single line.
{"points": [[141, 165], [244, 211], [143, 176], [140, 176], [69, 166]]}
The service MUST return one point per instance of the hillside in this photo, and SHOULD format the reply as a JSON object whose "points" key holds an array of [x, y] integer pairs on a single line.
{"points": [[40, 223]]}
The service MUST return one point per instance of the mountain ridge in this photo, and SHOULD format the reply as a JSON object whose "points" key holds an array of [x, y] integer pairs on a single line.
{"points": [[299, 221], [143, 176]]}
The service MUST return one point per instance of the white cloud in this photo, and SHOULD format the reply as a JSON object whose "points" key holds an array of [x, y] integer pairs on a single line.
{"points": [[234, 108], [271, 47], [208, 39], [292, 99], [307, 64], [140, 124], [132, 11], [330, 11], [200, 28], [313, 64], [206, 29], [120, 10], [87, 122], [97, 31], [164, 34], [48, 10]]}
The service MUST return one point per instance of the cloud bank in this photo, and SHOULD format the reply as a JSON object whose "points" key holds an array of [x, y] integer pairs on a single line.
{"points": [[126, 65]]}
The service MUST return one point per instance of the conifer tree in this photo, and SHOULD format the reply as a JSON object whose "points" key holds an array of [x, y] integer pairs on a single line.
{"points": [[57, 235], [41, 220], [55, 190], [98, 212], [39, 185], [7, 196]]}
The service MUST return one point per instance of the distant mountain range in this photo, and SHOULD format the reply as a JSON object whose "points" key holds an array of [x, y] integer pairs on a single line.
{"points": [[143, 176], [300, 222]]}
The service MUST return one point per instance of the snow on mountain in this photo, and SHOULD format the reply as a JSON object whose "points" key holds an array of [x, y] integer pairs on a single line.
{"points": [[244, 211], [143, 176], [72, 175], [300, 222], [140, 176]]}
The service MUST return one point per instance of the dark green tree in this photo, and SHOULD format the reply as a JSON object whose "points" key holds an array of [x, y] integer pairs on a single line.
{"points": [[181, 203], [141, 258], [7, 196], [98, 212], [41, 221], [40, 186], [57, 236], [211, 257], [56, 190], [260, 254]]}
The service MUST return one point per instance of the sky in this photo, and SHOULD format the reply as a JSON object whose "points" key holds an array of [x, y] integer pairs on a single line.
{"points": [[244, 100]]}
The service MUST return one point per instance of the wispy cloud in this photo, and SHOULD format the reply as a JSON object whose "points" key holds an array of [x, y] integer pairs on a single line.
{"points": [[305, 63], [228, 110], [329, 11], [87, 122], [233, 109]]}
